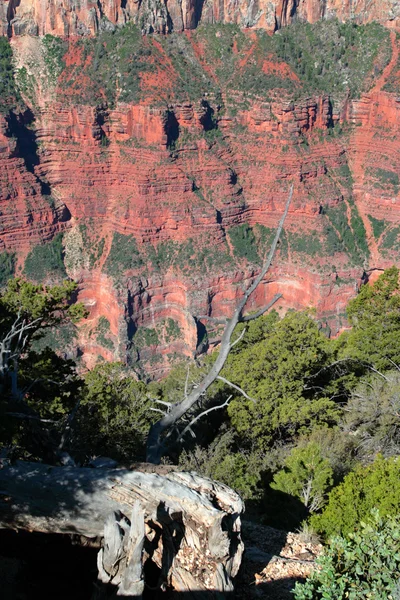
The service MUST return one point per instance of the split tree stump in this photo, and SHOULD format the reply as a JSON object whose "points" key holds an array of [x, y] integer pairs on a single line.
{"points": [[188, 526]]}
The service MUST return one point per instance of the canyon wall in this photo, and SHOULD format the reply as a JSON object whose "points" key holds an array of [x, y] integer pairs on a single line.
{"points": [[167, 207], [87, 17]]}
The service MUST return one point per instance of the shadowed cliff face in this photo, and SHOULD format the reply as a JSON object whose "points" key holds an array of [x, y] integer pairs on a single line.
{"points": [[20, 17], [167, 163]]}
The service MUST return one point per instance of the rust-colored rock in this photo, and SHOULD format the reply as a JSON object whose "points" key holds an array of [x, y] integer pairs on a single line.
{"points": [[38, 17], [188, 195]]}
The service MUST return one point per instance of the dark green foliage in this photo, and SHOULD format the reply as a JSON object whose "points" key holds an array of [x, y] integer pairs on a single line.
{"points": [[324, 57], [306, 475], [46, 262], [103, 332], [333, 57], [391, 239], [7, 266], [344, 236], [365, 564], [224, 461], [145, 337], [192, 79], [308, 244], [123, 255], [365, 488], [375, 318], [54, 49], [172, 330], [190, 257], [61, 338], [111, 61], [393, 82], [93, 246], [244, 243], [39, 384], [273, 372], [378, 226], [9, 95], [390, 177], [115, 415]]}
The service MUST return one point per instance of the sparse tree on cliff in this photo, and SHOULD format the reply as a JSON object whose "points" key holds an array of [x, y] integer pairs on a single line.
{"points": [[175, 411]]}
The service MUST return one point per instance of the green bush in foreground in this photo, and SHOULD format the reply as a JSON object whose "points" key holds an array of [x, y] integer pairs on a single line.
{"points": [[365, 488], [364, 565]]}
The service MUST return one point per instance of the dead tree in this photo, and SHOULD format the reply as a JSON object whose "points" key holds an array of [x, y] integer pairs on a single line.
{"points": [[187, 526], [155, 443]]}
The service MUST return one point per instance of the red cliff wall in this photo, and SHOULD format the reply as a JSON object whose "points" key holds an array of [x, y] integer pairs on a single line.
{"points": [[110, 170], [66, 18]]}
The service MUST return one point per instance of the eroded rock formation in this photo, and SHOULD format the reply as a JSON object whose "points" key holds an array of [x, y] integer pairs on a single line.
{"points": [[168, 206], [38, 17]]}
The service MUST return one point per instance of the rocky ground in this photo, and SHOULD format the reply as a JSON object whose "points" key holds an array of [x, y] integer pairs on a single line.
{"points": [[274, 560]]}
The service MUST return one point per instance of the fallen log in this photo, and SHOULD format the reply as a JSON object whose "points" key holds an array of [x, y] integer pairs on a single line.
{"points": [[188, 526]]}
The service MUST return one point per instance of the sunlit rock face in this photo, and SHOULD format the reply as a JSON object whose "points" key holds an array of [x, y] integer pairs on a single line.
{"points": [[70, 18], [167, 203]]}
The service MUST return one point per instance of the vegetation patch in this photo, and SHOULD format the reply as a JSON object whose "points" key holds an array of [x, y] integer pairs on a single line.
{"points": [[46, 261], [7, 266], [244, 243], [123, 255], [378, 226], [391, 239], [9, 94], [342, 236], [307, 244], [103, 332]]}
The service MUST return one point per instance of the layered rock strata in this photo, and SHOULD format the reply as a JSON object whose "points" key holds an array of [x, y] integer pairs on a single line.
{"points": [[167, 211], [39, 17]]}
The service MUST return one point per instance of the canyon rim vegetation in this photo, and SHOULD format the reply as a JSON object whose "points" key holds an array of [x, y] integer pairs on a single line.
{"points": [[147, 153]]}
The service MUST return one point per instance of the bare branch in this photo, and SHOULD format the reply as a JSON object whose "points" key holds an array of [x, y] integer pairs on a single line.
{"points": [[377, 372], [167, 404], [216, 320], [30, 417], [236, 387], [238, 339], [158, 410], [68, 426], [187, 381], [154, 443], [394, 364], [188, 428], [260, 312]]}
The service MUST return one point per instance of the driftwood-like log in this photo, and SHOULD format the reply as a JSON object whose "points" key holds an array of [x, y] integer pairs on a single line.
{"points": [[187, 525]]}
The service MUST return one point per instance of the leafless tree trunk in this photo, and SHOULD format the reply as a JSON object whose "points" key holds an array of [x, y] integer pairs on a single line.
{"points": [[176, 411]]}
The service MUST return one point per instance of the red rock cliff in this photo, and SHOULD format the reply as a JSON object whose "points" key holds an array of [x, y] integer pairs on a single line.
{"points": [[167, 212], [65, 18]]}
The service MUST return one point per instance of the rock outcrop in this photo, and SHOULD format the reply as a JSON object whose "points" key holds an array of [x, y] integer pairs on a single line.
{"points": [[38, 17], [167, 208]]}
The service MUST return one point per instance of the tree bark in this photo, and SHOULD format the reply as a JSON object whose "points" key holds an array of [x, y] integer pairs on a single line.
{"points": [[187, 525]]}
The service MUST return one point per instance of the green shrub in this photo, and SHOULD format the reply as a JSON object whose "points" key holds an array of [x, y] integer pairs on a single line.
{"points": [[9, 95], [103, 332], [365, 488], [7, 267], [378, 226], [46, 261], [364, 565], [306, 475], [123, 255], [114, 416], [244, 243]]}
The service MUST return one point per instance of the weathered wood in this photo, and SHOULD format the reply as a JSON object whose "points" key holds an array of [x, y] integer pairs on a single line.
{"points": [[187, 525]]}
